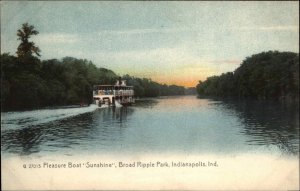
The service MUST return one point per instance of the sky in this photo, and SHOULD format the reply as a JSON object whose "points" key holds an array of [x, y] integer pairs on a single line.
{"points": [[173, 42]]}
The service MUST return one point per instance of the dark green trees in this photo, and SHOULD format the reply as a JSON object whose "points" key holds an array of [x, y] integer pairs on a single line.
{"points": [[56, 82], [268, 75], [21, 83], [144, 87], [27, 82], [71, 80], [27, 48]]}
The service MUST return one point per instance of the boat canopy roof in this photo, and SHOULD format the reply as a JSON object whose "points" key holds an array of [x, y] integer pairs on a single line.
{"points": [[111, 86]]}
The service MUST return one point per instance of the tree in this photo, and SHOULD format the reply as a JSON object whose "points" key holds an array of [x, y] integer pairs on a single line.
{"points": [[27, 48], [267, 75]]}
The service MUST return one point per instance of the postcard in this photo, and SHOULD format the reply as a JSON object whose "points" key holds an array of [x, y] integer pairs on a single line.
{"points": [[149, 95]]}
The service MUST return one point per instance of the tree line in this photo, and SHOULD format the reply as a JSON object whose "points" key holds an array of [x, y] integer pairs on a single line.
{"points": [[144, 87], [267, 75], [32, 83], [28, 82]]}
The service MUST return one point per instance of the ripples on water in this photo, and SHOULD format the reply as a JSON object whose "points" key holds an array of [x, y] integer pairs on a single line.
{"points": [[269, 122], [169, 124]]}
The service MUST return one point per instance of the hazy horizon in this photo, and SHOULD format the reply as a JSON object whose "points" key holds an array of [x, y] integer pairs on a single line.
{"points": [[170, 42]]}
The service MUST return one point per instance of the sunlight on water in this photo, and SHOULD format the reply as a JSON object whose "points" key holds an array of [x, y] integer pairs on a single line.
{"points": [[181, 124]]}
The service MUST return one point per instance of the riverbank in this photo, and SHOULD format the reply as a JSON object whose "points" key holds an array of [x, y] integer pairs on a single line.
{"points": [[32, 83], [264, 76]]}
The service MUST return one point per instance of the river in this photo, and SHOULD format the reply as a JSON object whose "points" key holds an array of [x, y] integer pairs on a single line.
{"points": [[180, 124]]}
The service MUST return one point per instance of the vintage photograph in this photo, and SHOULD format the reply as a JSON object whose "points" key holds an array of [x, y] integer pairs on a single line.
{"points": [[149, 95]]}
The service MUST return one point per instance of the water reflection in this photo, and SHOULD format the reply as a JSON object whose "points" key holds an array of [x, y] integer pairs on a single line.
{"points": [[79, 133], [178, 124], [146, 103], [267, 122]]}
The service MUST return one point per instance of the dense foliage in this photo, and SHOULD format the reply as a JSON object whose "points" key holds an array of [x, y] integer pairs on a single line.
{"points": [[144, 87], [28, 82], [31, 83], [268, 75], [27, 48], [190, 91]]}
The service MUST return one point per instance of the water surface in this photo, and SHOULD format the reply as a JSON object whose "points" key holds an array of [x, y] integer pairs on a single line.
{"points": [[183, 124]]}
